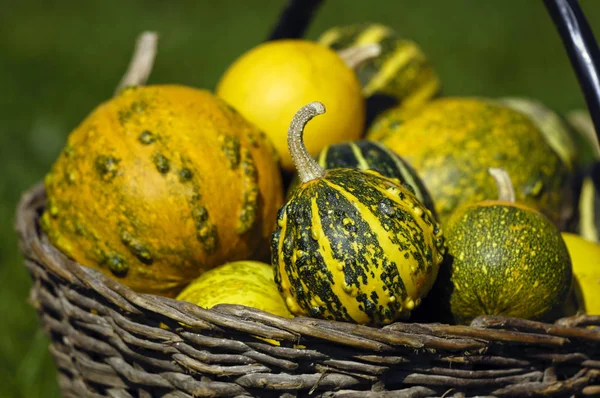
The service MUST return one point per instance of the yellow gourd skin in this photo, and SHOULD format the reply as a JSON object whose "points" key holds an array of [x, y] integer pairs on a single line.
{"points": [[585, 259], [451, 143], [269, 83], [248, 283], [159, 184]]}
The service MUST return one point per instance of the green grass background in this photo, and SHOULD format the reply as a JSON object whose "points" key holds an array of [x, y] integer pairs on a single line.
{"points": [[59, 59]]}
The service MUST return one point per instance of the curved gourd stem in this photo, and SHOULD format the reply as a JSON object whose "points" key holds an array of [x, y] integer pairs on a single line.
{"points": [[308, 169], [141, 63], [354, 56], [506, 192]]}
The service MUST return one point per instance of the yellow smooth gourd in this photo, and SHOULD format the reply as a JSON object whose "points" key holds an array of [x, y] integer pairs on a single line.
{"points": [[269, 83], [585, 258], [248, 283]]}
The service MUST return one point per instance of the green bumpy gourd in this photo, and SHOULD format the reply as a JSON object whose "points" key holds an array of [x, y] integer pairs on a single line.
{"points": [[371, 155], [451, 142], [352, 245], [503, 259]]}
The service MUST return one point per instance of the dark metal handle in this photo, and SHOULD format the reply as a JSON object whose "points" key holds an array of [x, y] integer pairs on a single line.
{"points": [[582, 49], [294, 19]]}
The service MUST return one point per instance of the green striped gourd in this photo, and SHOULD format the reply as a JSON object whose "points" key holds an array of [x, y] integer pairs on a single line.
{"points": [[370, 155], [401, 71], [352, 245], [506, 259]]}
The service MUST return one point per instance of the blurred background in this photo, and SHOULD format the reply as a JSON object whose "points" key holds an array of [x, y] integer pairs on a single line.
{"points": [[59, 59]]}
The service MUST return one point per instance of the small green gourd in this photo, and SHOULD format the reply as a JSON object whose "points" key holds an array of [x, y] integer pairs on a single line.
{"points": [[503, 259]]}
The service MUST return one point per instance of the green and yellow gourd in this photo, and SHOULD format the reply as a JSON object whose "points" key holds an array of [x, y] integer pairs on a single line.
{"points": [[248, 283], [371, 155], [451, 142], [352, 245], [555, 130], [504, 258], [401, 71], [161, 183], [388, 121]]}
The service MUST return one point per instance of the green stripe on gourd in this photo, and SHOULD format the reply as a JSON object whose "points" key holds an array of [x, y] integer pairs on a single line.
{"points": [[401, 70], [369, 155], [352, 245]]}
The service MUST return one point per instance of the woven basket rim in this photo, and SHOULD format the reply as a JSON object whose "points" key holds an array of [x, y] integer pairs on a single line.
{"points": [[28, 212], [309, 353]]}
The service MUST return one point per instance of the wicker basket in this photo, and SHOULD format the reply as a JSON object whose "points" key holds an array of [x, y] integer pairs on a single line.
{"points": [[110, 341]]}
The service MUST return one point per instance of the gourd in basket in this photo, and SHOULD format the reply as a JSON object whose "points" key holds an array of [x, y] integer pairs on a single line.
{"points": [[352, 245], [451, 142], [161, 183]]}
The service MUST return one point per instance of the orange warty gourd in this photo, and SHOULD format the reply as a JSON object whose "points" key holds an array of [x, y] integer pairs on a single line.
{"points": [[161, 183]]}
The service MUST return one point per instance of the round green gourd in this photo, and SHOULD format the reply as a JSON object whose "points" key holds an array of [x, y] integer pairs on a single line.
{"points": [[370, 155], [503, 259], [401, 71], [352, 245]]}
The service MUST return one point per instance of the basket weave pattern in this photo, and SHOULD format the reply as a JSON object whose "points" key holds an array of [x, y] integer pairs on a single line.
{"points": [[110, 341]]}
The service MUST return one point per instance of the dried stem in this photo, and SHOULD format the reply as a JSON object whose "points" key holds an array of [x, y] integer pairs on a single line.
{"points": [[506, 192], [141, 63], [308, 168], [354, 56]]}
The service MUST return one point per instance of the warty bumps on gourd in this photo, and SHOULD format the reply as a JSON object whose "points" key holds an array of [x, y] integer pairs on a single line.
{"points": [[161, 183]]}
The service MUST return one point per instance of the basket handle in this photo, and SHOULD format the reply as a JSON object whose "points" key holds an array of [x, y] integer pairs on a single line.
{"points": [[582, 50], [294, 19]]}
